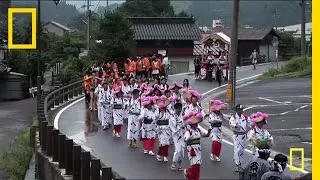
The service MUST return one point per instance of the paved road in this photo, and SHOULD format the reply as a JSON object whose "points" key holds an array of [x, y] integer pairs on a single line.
{"points": [[288, 101], [79, 124]]}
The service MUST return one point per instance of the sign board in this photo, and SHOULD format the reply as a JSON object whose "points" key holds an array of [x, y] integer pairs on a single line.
{"points": [[162, 52], [229, 93]]}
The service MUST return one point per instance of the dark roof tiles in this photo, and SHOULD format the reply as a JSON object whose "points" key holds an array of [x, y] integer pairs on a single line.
{"points": [[251, 33], [163, 28]]}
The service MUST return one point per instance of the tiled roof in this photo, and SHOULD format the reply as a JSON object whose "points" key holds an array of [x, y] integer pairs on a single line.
{"points": [[59, 25], [165, 28], [198, 50], [251, 33]]}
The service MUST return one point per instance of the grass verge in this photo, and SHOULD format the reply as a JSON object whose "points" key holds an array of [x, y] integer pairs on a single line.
{"points": [[296, 67], [15, 159]]}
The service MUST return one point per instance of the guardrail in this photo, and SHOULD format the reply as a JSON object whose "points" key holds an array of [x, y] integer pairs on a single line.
{"points": [[71, 158]]}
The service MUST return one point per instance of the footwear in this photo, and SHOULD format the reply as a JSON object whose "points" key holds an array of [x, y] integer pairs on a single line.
{"points": [[117, 135], [151, 153], [145, 151], [211, 157], [237, 168], [180, 168], [135, 145], [165, 159], [185, 173], [159, 158], [173, 167], [217, 159], [130, 144], [113, 133]]}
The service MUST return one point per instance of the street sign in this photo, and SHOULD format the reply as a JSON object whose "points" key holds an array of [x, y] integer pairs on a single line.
{"points": [[229, 93]]}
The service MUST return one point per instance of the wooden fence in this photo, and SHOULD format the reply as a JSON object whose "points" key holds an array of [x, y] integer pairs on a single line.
{"points": [[74, 160]]}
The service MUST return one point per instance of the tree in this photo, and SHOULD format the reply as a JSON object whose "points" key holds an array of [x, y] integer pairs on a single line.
{"points": [[116, 35], [147, 8]]}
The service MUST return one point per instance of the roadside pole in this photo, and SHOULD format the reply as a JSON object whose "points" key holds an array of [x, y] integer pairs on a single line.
{"points": [[231, 88]]}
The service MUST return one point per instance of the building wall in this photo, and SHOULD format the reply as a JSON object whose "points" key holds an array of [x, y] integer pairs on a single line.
{"points": [[269, 51], [245, 48], [181, 64], [54, 29], [180, 52]]}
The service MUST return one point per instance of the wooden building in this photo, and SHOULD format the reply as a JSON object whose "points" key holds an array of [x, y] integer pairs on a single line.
{"points": [[174, 35], [260, 39]]}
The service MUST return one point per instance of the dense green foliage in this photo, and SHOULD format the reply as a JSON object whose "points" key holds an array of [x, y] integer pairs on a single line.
{"points": [[116, 35], [288, 45], [296, 67], [15, 159]]}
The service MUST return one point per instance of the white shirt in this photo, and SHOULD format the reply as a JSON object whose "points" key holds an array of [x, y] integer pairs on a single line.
{"points": [[165, 61]]}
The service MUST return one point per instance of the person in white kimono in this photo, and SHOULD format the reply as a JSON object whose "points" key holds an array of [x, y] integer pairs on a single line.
{"points": [[192, 138], [132, 84], [164, 86], [133, 123], [176, 94], [258, 132], [99, 94], [163, 129], [117, 111], [148, 117], [106, 109], [126, 90], [215, 120], [240, 124], [177, 127], [194, 105]]}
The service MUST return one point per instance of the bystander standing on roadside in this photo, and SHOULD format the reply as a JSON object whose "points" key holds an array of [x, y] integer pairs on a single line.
{"points": [[166, 66], [197, 67]]}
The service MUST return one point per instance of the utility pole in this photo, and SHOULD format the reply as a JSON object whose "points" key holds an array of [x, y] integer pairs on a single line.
{"points": [[88, 24], [231, 88], [38, 59], [303, 27]]}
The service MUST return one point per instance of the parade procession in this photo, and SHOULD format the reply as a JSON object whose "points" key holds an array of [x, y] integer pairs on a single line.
{"points": [[160, 115]]}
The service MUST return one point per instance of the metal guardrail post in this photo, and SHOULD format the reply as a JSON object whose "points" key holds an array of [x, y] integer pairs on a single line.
{"points": [[106, 173], [55, 156], [49, 140], [85, 165], [61, 149], [69, 156], [43, 139], [95, 169], [76, 162]]}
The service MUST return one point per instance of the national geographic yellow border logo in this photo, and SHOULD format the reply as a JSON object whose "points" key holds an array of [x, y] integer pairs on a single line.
{"points": [[293, 168], [33, 12]]}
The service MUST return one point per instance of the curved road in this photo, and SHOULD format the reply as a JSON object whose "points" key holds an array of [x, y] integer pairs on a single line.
{"points": [[82, 126]]}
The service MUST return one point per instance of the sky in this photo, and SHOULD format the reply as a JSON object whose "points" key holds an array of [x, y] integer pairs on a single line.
{"points": [[94, 3]]}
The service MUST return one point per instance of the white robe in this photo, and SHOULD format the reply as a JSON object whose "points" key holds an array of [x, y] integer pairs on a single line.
{"points": [[163, 128], [133, 121], [216, 132], [149, 126], [258, 134], [240, 125], [192, 138], [106, 108], [117, 113], [196, 109], [126, 98], [99, 94], [177, 127]]}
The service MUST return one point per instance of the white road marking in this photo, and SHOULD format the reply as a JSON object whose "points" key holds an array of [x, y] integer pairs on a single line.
{"points": [[270, 100], [300, 96], [306, 143], [250, 107], [271, 105], [257, 75], [247, 150], [290, 129], [300, 108], [284, 113]]}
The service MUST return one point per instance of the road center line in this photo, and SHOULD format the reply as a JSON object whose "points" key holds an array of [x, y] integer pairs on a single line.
{"points": [[290, 129], [250, 107], [250, 77], [270, 100], [300, 108]]}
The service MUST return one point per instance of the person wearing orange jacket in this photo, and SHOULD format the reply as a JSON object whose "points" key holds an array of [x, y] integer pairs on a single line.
{"points": [[139, 71], [86, 84], [146, 66], [126, 67], [132, 68]]}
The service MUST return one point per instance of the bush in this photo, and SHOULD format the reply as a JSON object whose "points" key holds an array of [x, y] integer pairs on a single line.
{"points": [[15, 159], [296, 67]]}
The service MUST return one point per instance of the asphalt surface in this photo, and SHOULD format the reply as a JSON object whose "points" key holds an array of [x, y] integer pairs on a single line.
{"points": [[288, 102], [82, 126]]}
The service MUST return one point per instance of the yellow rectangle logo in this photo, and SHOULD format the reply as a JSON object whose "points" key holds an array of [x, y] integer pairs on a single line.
{"points": [[33, 12], [292, 167]]}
